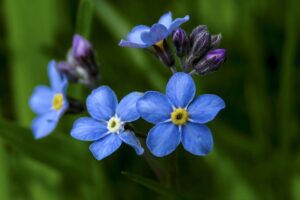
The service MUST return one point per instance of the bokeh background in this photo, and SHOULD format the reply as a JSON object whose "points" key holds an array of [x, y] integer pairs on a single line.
{"points": [[256, 154]]}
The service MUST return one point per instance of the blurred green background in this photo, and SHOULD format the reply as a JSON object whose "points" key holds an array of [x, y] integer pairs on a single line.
{"points": [[256, 154]]}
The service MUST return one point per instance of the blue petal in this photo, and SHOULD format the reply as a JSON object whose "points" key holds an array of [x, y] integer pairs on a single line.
{"points": [[205, 107], [135, 34], [58, 81], [197, 139], [105, 146], [88, 129], [102, 103], [126, 109], [166, 19], [163, 139], [176, 23], [41, 100], [180, 89], [124, 43], [129, 138], [157, 33], [154, 107], [44, 124]]}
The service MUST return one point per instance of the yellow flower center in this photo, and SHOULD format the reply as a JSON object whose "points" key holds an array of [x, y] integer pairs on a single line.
{"points": [[114, 124], [179, 116], [160, 44], [57, 101]]}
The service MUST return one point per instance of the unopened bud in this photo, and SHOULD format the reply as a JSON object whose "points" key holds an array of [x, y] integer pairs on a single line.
{"points": [[181, 42], [68, 70], [211, 62], [196, 31], [81, 48], [215, 41], [164, 53], [200, 46]]}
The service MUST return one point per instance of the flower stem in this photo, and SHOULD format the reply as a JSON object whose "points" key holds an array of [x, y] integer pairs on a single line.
{"points": [[173, 170]]}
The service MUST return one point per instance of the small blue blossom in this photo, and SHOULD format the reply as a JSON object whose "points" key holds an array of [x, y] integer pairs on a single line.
{"points": [[143, 36], [179, 117], [49, 103], [106, 126]]}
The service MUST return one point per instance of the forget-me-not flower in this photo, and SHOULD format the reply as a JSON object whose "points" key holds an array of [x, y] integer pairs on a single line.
{"points": [[143, 36], [49, 103], [179, 117], [106, 126]]}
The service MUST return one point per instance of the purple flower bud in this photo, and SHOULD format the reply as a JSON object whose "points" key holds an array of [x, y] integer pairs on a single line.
{"points": [[196, 31], [215, 41], [181, 42], [200, 46], [211, 62], [164, 53], [81, 65], [81, 48], [68, 70]]}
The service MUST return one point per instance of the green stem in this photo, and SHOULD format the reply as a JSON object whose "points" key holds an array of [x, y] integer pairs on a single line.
{"points": [[173, 171]]}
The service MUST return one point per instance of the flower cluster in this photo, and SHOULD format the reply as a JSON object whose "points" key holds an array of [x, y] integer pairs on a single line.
{"points": [[179, 117], [197, 52]]}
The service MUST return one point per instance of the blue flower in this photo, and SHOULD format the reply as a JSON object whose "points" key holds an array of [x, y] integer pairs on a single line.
{"points": [[143, 36], [179, 117], [49, 103], [106, 126]]}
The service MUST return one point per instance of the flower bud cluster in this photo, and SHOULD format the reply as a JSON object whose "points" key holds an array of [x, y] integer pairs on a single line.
{"points": [[80, 65], [199, 51]]}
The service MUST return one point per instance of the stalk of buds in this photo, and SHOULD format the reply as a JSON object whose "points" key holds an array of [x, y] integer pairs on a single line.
{"points": [[81, 65]]}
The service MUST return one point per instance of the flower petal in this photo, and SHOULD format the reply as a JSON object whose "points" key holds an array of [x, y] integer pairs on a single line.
{"points": [[105, 146], [124, 43], [41, 100], [129, 138], [44, 124], [181, 89], [163, 139], [88, 129], [154, 107], [57, 80], [133, 38], [135, 34], [101, 103], [166, 19], [197, 139], [157, 33], [177, 22], [205, 107], [126, 109]]}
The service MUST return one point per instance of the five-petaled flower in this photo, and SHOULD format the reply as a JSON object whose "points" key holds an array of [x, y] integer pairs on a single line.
{"points": [[49, 103], [143, 36], [106, 126], [179, 117]]}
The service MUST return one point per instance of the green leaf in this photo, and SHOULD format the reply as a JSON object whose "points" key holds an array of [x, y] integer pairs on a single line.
{"points": [[84, 18], [4, 179], [55, 151], [30, 27], [230, 179], [152, 185]]}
